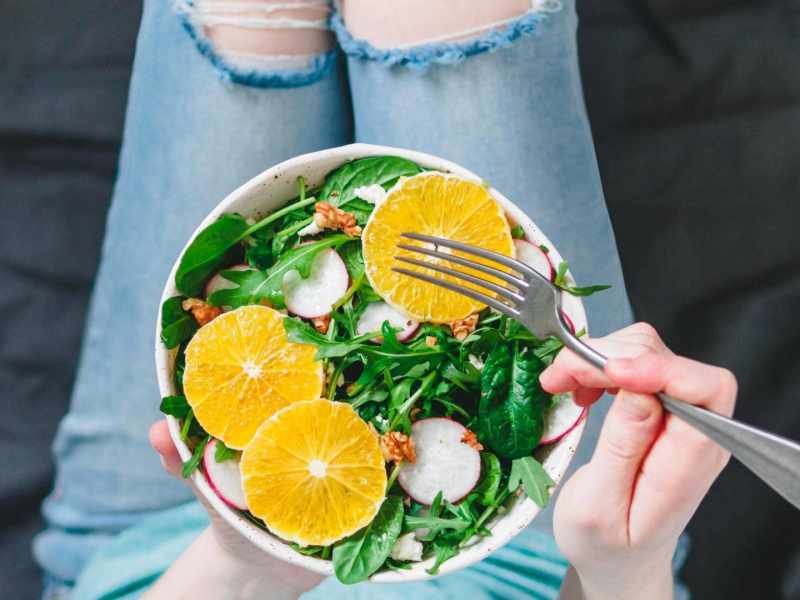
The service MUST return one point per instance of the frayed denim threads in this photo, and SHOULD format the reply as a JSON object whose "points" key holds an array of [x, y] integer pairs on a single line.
{"points": [[447, 53]]}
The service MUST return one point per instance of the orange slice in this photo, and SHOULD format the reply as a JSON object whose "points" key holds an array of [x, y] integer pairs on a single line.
{"points": [[314, 473], [241, 369], [440, 205]]}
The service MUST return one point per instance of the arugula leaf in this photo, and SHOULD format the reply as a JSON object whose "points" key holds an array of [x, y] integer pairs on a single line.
{"points": [[177, 325], [353, 258], [300, 332], [517, 232], [175, 406], [190, 465], [208, 252], [434, 525], [512, 402], [561, 282], [359, 556], [223, 453], [534, 478], [444, 548], [254, 285], [340, 184], [489, 483]]}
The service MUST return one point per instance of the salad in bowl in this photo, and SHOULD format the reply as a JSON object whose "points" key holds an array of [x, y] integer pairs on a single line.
{"points": [[341, 415]]}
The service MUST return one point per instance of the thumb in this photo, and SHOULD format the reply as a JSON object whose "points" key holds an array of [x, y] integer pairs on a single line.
{"points": [[630, 428]]}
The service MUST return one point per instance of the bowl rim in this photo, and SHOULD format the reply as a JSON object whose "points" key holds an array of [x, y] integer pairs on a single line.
{"points": [[505, 527]]}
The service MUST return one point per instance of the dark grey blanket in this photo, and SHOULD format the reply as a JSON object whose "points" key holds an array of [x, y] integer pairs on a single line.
{"points": [[695, 106]]}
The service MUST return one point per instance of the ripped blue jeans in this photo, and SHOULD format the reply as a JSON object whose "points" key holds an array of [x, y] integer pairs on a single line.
{"points": [[507, 104]]}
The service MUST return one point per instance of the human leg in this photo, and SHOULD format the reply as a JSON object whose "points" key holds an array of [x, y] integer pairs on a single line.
{"points": [[191, 137]]}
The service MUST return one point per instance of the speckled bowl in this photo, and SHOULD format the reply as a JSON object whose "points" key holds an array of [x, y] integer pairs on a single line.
{"points": [[266, 193]]}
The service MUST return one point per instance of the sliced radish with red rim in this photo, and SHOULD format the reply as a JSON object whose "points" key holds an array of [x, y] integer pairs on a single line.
{"points": [[561, 418], [444, 463], [315, 295], [225, 477], [533, 256], [377, 313]]}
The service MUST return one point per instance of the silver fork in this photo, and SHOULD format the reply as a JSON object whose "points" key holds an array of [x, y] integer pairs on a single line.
{"points": [[536, 303]]}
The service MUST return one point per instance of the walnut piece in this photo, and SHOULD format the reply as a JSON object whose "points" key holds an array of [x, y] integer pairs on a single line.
{"points": [[322, 323], [202, 311], [328, 216], [470, 439], [461, 329], [397, 446]]}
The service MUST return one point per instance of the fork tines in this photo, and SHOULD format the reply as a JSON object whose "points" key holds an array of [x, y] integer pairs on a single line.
{"points": [[512, 297]]}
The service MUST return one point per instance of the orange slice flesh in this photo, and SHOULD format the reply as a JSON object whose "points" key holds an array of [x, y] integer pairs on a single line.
{"points": [[314, 473], [241, 369], [440, 205]]}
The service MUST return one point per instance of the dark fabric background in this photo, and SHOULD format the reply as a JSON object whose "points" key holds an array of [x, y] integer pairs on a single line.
{"points": [[695, 107]]}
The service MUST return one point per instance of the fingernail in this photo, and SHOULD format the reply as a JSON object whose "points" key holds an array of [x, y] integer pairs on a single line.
{"points": [[635, 406]]}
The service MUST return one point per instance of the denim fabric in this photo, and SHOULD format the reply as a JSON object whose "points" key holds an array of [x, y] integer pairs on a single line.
{"points": [[515, 116]]}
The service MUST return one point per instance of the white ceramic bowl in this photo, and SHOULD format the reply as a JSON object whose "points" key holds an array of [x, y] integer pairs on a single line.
{"points": [[269, 191]]}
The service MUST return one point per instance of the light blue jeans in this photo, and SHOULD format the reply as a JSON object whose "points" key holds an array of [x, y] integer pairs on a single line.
{"points": [[508, 106]]}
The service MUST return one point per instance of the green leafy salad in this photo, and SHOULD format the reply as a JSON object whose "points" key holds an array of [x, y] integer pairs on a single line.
{"points": [[456, 407]]}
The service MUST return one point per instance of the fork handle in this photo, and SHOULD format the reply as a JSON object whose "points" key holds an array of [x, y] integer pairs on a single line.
{"points": [[774, 459]]}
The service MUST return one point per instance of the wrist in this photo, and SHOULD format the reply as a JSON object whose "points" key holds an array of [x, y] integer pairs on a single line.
{"points": [[652, 580]]}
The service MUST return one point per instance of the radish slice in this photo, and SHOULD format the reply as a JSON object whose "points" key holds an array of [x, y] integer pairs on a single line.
{"points": [[376, 313], [316, 295], [561, 419], [218, 282], [534, 257], [568, 321], [444, 463], [224, 477]]}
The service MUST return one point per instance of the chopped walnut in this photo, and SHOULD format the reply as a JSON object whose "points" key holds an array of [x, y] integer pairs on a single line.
{"points": [[328, 216], [470, 439], [397, 446], [414, 412], [322, 323], [461, 329], [430, 341], [202, 311]]}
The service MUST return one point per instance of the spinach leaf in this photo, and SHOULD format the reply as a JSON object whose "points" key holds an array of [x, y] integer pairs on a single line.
{"points": [[512, 402], [175, 406], [223, 453], [254, 286], [190, 465], [208, 252], [534, 478], [363, 553], [489, 483], [177, 325], [215, 245], [561, 281], [340, 184]]}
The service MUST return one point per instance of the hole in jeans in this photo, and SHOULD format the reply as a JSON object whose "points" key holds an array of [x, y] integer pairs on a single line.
{"points": [[407, 23], [263, 42]]}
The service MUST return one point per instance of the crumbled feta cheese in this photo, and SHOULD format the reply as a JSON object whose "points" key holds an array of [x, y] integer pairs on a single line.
{"points": [[374, 194], [310, 229], [476, 362], [407, 548]]}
